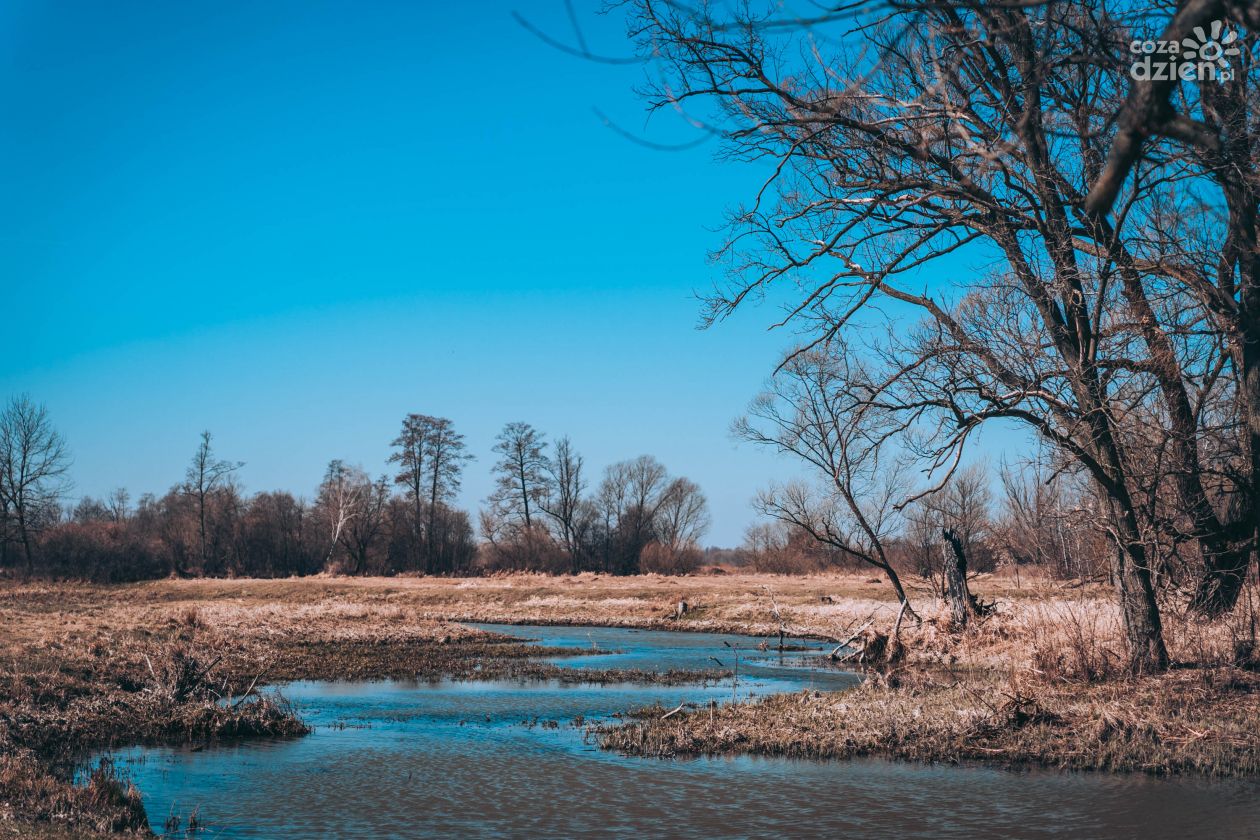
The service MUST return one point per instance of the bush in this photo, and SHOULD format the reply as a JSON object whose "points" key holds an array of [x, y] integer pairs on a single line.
{"points": [[102, 552], [663, 560]]}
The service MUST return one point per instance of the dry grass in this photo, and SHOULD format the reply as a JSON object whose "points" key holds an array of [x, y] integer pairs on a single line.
{"points": [[1200, 722]]}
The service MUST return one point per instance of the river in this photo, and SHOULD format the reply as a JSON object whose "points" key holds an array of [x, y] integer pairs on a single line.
{"points": [[503, 759]]}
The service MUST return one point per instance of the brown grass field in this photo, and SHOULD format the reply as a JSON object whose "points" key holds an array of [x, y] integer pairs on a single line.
{"points": [[1039, 682]]}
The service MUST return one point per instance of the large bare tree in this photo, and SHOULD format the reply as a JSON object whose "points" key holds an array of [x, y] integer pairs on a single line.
{"points": [[942, 134]]}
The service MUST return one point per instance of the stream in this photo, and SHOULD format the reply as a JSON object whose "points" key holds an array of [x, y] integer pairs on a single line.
{"points": [[503, 758]]}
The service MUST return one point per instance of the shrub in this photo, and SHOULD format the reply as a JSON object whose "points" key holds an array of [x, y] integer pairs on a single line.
{"points": [[664, 560]]}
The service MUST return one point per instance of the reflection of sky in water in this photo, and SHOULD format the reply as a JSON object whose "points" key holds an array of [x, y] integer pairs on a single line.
{"points": [[396, 759]]}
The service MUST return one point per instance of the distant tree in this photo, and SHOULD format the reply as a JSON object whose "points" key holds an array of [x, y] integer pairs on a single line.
{"points": [[412, 457], [448, 456], [521, 474], [205, 475], [33, 464], [629, 496], [456, 547], [342, 495], [362, 533], [683, 514], [1045, 520], [401, 537], [962, 506], [781, 548], [118, 504], [922, 539], [431, 457], [227, 509], [680, 520], [276, 538], [562, 500], [90, 509]]}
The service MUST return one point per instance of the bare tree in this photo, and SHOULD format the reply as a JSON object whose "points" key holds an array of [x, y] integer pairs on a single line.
{"points": [[1045, 520], [812, 412], [431, 457], [962, 507], [412, 457], [277, 530], [680, 521], [563, 500], [447, 457], [921, 535], [954, 129], [363, 531], [342, 495], [682, 516], [204, 476], [119, 503], [782, 548], [33, 465], [521, 475], [628, 498]]}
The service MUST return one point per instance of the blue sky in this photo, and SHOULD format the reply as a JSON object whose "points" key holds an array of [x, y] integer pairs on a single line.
{"points": [[293, 223]]}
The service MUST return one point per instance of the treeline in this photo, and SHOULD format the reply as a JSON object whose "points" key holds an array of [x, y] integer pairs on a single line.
{"points": [[540, 516]]}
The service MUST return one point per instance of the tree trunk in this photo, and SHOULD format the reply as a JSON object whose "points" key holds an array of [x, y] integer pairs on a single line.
{"points": [[25, 534], [421, 562], [895, 580], [1225, 571], [1142, 627], [1219, 587]]}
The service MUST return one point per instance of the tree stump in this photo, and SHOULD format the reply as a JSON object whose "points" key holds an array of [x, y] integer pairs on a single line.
{"points": [[962, 604]]}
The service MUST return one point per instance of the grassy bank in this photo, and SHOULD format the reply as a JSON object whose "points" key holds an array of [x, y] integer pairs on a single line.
{"points": [[1190, 721], [83, 667]]}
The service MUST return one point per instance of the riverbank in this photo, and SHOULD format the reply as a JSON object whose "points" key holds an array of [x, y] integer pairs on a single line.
{"points": [[1037, 683], [1201, 722]]}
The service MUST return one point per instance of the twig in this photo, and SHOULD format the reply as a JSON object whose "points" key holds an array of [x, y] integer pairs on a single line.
{"points": [[249, 690]]}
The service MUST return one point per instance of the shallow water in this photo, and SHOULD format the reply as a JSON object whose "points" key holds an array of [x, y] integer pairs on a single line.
{"points": [[478, 759]]}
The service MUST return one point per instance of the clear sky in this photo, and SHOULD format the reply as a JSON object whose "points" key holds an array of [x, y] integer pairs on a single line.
{"points": [[293, 223]]}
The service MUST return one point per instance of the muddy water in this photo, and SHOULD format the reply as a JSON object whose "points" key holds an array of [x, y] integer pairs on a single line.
{"points": [[486, 759]]}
